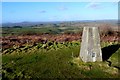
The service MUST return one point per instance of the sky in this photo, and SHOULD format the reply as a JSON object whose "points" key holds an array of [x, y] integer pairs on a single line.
{"points": [[60, 0], [58, 11]]}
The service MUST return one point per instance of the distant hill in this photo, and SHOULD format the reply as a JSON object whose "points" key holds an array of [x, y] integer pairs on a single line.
{"points": [[26, 24]]}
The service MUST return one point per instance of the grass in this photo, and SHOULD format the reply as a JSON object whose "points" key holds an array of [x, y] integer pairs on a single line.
{"points": [[56, 61]]}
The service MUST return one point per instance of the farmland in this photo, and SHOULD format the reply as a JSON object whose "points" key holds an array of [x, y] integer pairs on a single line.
{"points": [[53, 52]]}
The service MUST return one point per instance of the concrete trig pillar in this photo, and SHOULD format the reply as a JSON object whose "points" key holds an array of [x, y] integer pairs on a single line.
{"points": [[90, 47]]}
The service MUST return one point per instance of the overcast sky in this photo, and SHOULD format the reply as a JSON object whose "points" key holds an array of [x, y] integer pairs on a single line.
{"points": [[58, 11]]}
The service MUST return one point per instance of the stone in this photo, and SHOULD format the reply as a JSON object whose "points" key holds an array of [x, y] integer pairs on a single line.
{"points": [[90, 50]]}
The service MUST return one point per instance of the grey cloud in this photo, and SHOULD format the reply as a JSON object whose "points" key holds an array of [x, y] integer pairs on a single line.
{"points": [[43, 11]]}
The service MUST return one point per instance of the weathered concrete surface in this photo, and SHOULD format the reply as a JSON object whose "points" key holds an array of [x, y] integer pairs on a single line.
{"points": [[90, 47]]}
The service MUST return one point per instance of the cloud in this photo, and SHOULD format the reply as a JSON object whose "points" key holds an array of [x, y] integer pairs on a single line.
{"points": [[93, 5], [62, 8], [53, 18], [43, 11], [115, 3], [59, 0]]}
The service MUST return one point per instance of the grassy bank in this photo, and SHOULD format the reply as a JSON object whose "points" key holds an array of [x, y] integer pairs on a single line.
{"points": [[55, 60]]}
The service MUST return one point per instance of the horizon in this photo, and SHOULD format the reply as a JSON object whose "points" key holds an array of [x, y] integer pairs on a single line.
{"points": [[16, 12], [59, 21]]}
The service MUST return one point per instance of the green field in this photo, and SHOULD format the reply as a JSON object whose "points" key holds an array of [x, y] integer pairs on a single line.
{"points": [[55, 60], [38, 30]]}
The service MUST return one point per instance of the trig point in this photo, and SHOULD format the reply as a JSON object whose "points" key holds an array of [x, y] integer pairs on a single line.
{"points": [[90, 47]]}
